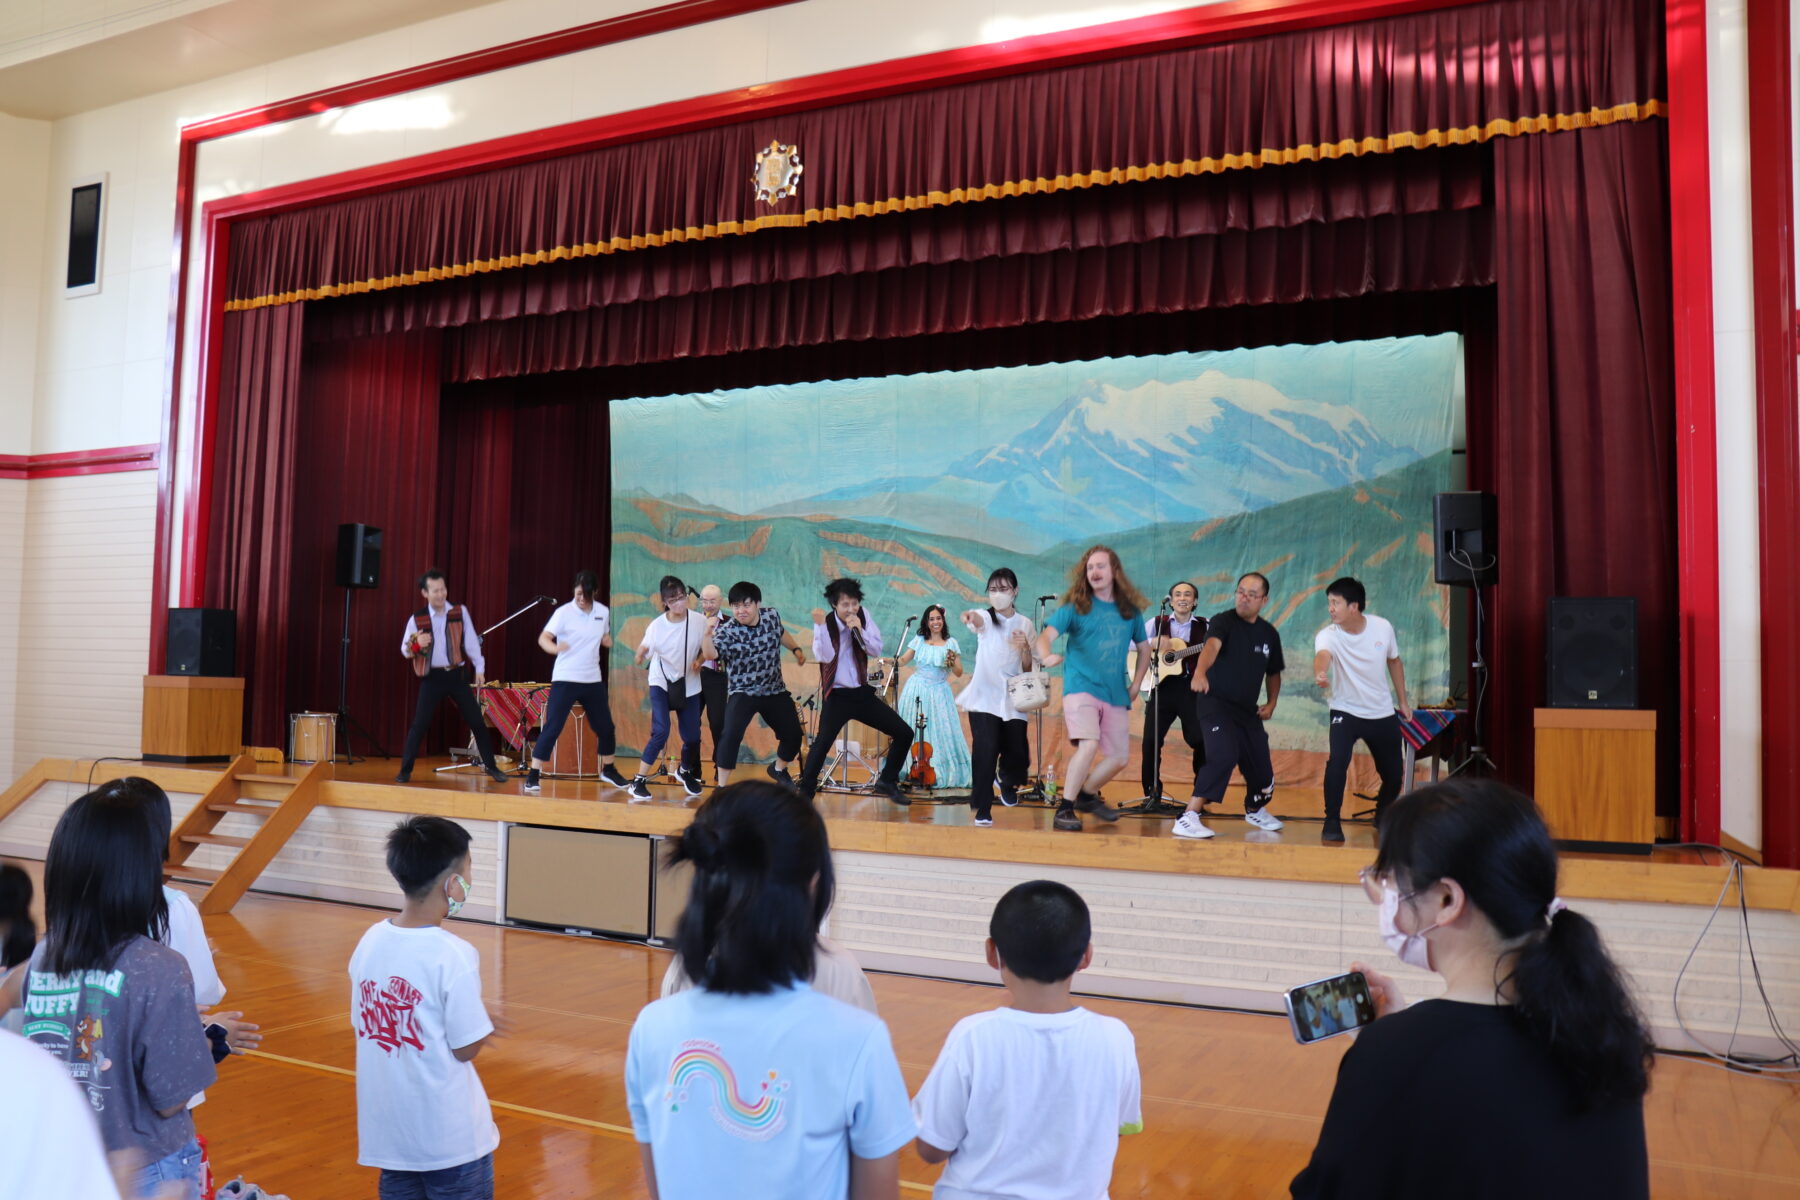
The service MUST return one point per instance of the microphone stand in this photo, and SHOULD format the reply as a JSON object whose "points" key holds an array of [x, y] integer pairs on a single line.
{"points": [[1036, 790], [1151, 803], [469, 752]]}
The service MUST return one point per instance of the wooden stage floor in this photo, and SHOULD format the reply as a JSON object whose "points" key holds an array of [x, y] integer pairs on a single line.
{"points": [[1231, 1104]]}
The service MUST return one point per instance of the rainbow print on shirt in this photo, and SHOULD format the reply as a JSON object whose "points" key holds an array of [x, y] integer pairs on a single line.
{"points": [[702, 1063]]}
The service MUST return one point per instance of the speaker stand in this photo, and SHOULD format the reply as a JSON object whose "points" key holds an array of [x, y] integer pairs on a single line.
{"points": [[346, 722], [1476, 761]]}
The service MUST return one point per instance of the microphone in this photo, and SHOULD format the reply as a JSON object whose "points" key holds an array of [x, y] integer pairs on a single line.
{"points": [[1051, 596], [545, 600], [1167, 601]]}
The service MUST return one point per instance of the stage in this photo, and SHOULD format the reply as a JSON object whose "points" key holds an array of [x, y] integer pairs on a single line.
{"points": [[1231, 922]]}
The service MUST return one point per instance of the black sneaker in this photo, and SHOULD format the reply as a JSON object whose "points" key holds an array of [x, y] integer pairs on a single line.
{"points": [[690, 782], [780, 775], [1332, 832], [532, 785], [610, 774], [497, 775], [1087, 802], [405, 775], [882, 787], [1009, 796], [1066, 819], [638, 789], [984, 816]]}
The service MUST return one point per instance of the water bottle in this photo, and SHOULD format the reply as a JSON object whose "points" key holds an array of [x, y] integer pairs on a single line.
{"points": [[1050, 783]]}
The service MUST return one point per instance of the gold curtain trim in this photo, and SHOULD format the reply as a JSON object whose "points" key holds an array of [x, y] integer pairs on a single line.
{"points": [[1186, 168]]}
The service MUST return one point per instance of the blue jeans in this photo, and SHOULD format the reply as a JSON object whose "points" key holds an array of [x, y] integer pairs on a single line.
{"points": [[470, 1181], [688, 716], [183, 1166]]}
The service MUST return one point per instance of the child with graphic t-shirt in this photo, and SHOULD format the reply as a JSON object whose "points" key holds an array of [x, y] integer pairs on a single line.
{"points": [[751, 1083], [979, 1108], [415, 1003]]}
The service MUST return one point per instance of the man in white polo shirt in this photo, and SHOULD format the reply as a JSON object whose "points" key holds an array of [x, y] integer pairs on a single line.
{"points": [[1355, 658], [578, 634]]}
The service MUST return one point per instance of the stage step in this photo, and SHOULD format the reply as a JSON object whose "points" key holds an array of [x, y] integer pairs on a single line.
{"points": [[237, 806], [256, 777], [191, 874], [214, 839]]}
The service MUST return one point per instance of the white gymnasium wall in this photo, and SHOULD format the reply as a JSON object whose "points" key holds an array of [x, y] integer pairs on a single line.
{"points": [[1734, 381], [25, 149], [84, 617], [12, 572]]}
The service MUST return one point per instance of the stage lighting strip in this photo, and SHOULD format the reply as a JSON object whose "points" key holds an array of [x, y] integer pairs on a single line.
{"points": [[1186, 168]]}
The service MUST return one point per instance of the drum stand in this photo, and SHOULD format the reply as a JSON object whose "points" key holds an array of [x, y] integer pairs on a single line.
{"points": [[1034, 788]]}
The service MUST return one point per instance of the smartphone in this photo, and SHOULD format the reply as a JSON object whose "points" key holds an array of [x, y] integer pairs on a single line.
{"points": [[1327, 1007]]}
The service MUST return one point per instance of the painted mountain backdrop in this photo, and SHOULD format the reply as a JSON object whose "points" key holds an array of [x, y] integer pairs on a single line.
{"points": [[1305, 462]]}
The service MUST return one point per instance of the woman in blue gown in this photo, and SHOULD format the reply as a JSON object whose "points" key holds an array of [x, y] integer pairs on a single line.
{"points": [[936, 656]]}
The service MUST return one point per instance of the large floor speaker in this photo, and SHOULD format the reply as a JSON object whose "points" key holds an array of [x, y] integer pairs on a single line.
{"points": [[358, 556], [201, 641], [1466, 538], [1593, 652]]}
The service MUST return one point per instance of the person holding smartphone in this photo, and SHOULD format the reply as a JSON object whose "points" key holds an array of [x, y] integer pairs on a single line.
{"points": [[1527, 1077]]}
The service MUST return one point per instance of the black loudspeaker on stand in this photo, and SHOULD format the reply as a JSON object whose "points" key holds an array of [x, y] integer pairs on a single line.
{"points": [[1466, 553], [358, 567], [1591, 652]]}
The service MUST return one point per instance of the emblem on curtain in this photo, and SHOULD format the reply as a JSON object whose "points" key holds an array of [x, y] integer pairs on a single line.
{"points": [[777, 174]]}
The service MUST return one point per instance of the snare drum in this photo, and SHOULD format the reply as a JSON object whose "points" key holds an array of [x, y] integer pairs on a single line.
{"points": [[312, 736]]}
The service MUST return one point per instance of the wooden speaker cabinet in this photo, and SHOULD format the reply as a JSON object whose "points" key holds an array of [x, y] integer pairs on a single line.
{"points": [[192, 718], [1596, 777]]}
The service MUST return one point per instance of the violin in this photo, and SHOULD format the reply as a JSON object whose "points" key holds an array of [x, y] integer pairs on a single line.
{"points": [[923, 774]]}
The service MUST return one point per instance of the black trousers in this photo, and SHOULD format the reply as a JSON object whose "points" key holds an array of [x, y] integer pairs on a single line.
{"points": [[713, 698], [1382, 736], [441, 683], [1173, 700], [996, 742], [565, 695], [778, 713], [847, 704], [1234, 739]]}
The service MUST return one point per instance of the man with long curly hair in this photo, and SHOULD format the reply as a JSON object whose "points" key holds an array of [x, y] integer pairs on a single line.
{"points": [[1100, 614]]}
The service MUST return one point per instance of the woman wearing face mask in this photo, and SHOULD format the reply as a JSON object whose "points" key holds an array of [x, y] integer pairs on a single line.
{"points": [[1528, 1075], [997, 729]]}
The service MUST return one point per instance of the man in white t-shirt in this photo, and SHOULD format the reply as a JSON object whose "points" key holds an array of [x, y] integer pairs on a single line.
{"points": [[579, 634], [1355, 658], [422, 1115], [671, 650], [49, 1144], [981, 1108]]}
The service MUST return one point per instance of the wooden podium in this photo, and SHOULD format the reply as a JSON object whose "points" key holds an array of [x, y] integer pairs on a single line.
{"points": [[192, 718], [1596, 777]]}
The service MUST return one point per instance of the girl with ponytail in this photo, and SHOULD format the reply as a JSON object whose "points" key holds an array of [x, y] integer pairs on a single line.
{"points": [[1528, 1076], [750, 1083]]}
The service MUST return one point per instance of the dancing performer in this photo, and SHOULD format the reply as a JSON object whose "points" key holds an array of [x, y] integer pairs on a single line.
{"points": [[844, 640], [749, 646], [1355, 658], [578, 633], [1099, 614], [671, 649], [1171, 699], [937, 657], [999, 741], [713, 689], [1242, 655], [439, 641]]}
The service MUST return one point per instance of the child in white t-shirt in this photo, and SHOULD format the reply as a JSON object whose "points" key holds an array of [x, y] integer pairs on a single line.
{"points": [[752, 1083], [980, 1109], [415, 1003]]}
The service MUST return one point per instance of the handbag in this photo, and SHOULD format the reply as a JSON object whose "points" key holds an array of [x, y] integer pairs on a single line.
{"points": [[1028, 691]]}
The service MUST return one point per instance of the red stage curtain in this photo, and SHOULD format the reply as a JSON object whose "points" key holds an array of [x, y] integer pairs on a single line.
{"points": [[1428, 79], [249, 568], [1578, 438], [1423, 252], [368, 418], [1447, 181]]}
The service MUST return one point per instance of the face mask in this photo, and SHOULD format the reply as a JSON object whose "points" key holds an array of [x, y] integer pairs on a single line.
{"points": [[467, 891], [1000, 599], [1410, 948]]}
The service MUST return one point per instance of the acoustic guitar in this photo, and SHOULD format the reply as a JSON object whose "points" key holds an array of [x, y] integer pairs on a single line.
{"points": [[1168, 662]]}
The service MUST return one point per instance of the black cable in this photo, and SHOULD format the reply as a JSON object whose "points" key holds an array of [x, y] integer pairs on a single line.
{"points": [[110, 758]]}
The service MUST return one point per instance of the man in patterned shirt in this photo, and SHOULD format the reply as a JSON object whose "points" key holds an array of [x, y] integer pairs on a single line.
{"points": [[749, 645]]}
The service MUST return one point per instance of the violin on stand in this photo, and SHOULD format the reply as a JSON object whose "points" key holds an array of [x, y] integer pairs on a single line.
{"points": [[923, 774]]}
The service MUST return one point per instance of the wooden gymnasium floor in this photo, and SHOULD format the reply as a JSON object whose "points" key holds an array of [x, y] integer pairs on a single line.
{"points": [[1231, 1104]]}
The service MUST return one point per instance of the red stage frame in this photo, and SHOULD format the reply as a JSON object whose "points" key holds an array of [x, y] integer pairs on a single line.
{"points": [[108, 460], [1697, 477]]}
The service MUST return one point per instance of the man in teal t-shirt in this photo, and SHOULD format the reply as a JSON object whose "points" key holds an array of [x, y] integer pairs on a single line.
{"points": [[1100, 616]]}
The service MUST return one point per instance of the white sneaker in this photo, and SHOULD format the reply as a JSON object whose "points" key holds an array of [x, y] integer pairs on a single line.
{"points": [[1263, 819], [1188, 826]]}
